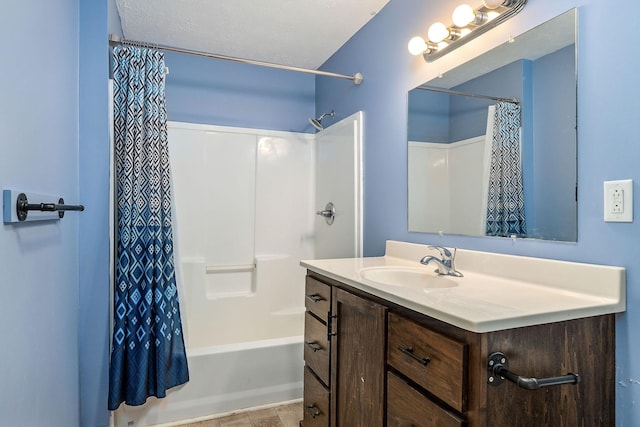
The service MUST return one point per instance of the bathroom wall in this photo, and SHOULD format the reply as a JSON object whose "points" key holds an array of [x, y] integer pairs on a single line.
{"points": [[608, 148], [205, 91], [94, 154], [553, 75], [39, 260], [469, 115]]}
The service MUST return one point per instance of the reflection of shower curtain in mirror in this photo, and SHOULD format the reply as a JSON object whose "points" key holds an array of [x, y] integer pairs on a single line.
{"points": [[505, 201]]}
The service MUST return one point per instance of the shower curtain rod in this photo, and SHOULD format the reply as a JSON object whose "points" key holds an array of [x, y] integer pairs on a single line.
{"points": [[471, 95], [356, 78]]}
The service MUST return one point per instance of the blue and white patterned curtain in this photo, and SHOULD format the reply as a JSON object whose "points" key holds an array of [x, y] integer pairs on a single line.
{"points": [[505, 206], [148, 354]]}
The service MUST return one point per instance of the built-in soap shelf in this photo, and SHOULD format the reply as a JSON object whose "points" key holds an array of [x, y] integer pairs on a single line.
{"points": [[21, 206]]}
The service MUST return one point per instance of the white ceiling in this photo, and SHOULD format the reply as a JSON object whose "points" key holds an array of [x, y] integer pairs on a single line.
{"points": [[302, 33]]}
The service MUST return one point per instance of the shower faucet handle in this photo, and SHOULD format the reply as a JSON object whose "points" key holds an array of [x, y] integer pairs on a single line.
{"points": [[329, 213]]}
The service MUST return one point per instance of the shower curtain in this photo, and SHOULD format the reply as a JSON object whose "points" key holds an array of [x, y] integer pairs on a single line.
{"points": [[148, 354], [505, 204]]}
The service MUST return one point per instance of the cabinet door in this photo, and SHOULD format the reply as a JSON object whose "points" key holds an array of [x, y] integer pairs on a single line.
{"points": [[358, 361]]}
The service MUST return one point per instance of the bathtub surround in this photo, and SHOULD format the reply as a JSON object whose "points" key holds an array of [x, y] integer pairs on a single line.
{"points": [[257, 192], [148, 353]]}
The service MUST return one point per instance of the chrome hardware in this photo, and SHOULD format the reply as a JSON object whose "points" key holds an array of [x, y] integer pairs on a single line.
{"points": [[497, 366], [329, 213], [409, 352], [445, 264]]}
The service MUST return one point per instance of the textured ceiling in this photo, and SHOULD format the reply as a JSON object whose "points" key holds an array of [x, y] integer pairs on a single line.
{"points": [[302, 33]]}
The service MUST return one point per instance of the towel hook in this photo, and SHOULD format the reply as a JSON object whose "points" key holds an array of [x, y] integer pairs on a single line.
{"points": [[23, 207]]}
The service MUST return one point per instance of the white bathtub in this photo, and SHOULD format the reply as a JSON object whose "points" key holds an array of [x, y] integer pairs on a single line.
{"points": [[226, 378]]}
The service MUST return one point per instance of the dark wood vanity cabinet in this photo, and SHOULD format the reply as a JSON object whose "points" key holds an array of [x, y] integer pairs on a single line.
{"points": [[381, 364], [344, 355]]}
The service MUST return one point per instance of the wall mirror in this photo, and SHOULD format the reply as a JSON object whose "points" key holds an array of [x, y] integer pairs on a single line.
{"points": [[452, 138]]}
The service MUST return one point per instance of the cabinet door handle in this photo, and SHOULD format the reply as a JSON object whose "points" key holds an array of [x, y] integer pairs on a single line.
{"points": [[313, 346], [313, 410], [409, 352], [315, 297]]}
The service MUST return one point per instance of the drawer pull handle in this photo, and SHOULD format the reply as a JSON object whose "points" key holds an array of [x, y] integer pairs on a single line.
{"points": [[313, 346], [409, 352], [498, 371], [315, 298], [313, 410]]}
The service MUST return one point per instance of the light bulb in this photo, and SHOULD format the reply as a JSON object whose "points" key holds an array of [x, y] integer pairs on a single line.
{"points": [[492, 4], [417, 45], [463, 15], [437, 32]]}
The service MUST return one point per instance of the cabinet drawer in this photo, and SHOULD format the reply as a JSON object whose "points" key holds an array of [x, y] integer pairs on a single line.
{"points": [[432, 360], [407, 407], [318, 298], [316, 402], [316, 346]]}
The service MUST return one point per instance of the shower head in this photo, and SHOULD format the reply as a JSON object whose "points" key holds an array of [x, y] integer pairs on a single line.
{"points": [[317, 123]]}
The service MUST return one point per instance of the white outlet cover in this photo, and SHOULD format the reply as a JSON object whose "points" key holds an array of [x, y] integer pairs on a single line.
{"points": [[618, 201]]}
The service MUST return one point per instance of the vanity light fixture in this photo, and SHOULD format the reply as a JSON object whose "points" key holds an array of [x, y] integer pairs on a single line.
{"points": [[468, 23]]}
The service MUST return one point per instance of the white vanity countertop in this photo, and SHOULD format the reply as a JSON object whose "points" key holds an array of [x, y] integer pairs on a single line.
{"points": [[497, 291]]}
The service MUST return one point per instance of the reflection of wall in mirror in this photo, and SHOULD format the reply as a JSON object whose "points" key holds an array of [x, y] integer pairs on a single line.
{"points": [[551, 79]]}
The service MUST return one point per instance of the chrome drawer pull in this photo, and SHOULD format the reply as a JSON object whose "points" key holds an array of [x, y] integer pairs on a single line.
{"points": [[313, 346], [409, 352], [313, 410], [315, 297]]}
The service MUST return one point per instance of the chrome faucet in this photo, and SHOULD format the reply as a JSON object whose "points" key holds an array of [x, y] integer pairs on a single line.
{"points": [[446, 266]]}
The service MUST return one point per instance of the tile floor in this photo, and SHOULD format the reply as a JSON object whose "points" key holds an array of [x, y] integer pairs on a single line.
{"points": [[280, 416]]}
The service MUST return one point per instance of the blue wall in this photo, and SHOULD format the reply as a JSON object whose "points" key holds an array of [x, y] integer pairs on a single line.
{"points": [[93, 328], [469, 115], [39, 260], [428, 116], [201, 90], [607, 118], [554, 124]]}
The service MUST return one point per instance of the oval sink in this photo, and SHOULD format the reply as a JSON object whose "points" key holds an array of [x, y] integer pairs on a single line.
{"points": [[407, 277]]}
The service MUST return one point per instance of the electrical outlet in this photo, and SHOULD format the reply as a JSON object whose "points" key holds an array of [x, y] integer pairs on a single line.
{"points": [[618, 201]]}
